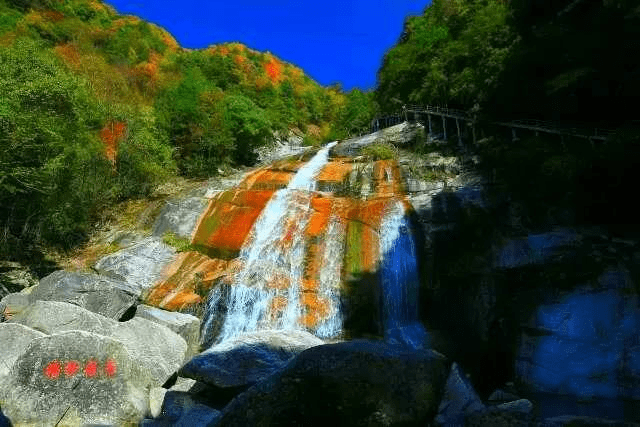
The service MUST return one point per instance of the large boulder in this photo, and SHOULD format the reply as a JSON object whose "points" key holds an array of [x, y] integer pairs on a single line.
{"points": [[584, 345], [140, 265], [349, 383], [460, 399], [14, 338], [99, 294], [156, 347], [75, 378], [185, 325], [180, 217], [248, 358]]}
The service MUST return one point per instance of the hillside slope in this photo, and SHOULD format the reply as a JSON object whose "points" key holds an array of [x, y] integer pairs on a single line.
{"points": [[96, 107]]}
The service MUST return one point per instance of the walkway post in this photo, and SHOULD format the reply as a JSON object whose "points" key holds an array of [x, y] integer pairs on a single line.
{"points": [[459, 137], [429, 116], [444, 126], [513, 134]]}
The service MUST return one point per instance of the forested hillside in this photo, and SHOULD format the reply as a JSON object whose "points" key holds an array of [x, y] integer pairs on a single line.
{"points": [[572, 60], [96, 108]]}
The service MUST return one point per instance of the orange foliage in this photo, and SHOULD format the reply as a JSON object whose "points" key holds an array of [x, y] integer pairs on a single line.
{"points": [[53, 16], [274, 70], [150, 69], [69, 54], [111, 135], [238, 59], [223, 50], [169, 41]]}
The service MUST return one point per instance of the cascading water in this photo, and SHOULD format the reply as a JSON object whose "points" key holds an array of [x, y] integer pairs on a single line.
{"points": [[265, 293], [400, 281], [330, 277]]}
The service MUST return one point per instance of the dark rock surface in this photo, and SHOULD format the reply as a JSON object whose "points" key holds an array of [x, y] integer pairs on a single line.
{"points": [[248, 358], [351, 383]]}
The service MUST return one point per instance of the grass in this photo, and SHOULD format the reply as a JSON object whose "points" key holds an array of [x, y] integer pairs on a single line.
{"points": [[380, 151], [179, 243]]}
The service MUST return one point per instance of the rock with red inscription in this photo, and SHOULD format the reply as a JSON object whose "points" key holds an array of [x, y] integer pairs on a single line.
{"points": [[14, 338], [99, 294], [349, 383], [76, 378], [154, 346]]}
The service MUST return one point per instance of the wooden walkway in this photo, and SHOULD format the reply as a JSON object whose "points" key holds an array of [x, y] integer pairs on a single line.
{"points": [[424, 114]]}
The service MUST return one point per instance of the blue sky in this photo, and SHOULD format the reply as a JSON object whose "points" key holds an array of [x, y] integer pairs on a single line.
{"points": [[333, 41]]}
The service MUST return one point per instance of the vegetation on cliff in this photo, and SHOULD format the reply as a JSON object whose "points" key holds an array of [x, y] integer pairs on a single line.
{"points": [[572, 62], [97, 108], [569, 60]]}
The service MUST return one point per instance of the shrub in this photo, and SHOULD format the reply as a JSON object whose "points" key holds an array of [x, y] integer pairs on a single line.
{"points": [[380, 151]]}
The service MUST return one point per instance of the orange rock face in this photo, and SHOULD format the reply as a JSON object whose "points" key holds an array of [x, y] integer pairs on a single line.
{"points": [[387, 179], [315, 309], [188, 279], [336, 171]]}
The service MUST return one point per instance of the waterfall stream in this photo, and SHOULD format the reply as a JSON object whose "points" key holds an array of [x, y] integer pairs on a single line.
{"points": [[400, 280], [265, 293]]}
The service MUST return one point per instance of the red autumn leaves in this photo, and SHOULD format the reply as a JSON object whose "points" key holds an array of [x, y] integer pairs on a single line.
{"points": [[111, 135], [54, 369]]}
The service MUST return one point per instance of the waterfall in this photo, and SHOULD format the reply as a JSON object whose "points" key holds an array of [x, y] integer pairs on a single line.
{"points": [[400, 280], [330, 277], [265, 293]]}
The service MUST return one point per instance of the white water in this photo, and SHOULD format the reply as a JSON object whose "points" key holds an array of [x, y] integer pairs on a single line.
{"points": [[273, 250], [330, 277]]}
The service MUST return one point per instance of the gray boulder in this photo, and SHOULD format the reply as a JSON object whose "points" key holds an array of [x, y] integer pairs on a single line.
{"points": [[156, 347], [140, 265], [14, 338], [12, 304], [248, 358], [179, 217], [185, 325], [75, 378], [349, 383], [99, 294], [460, 399]]}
